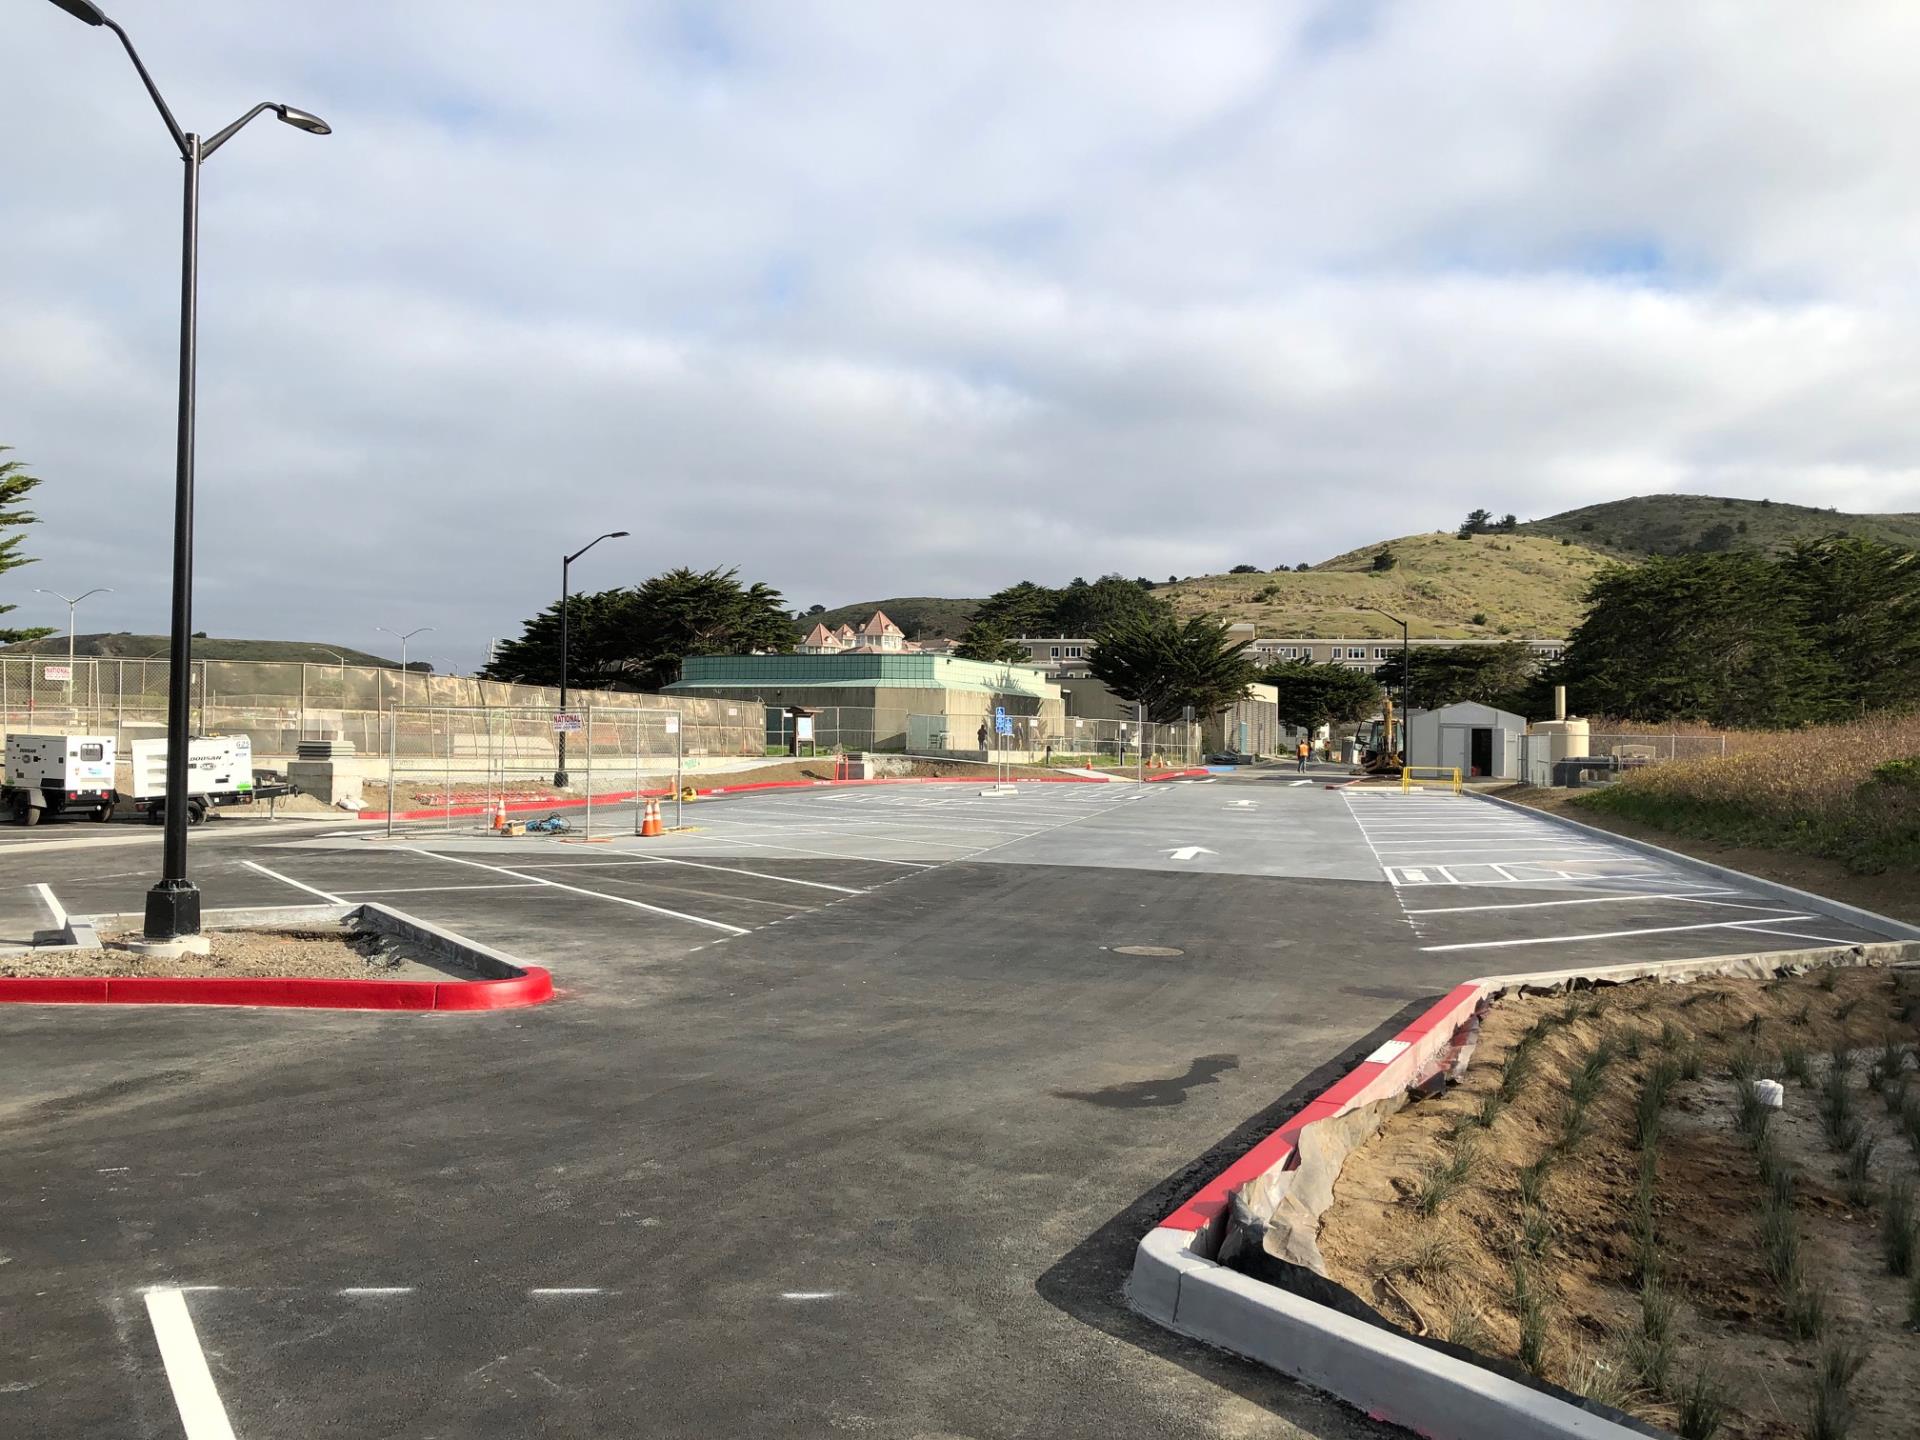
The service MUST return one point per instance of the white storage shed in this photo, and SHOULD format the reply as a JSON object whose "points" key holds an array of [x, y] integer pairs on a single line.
{"points": [[1475, 739]]}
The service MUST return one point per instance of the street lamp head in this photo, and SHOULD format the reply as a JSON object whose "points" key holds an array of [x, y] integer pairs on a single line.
{"points": [[81, 10], [617, 535], [299, 119]]}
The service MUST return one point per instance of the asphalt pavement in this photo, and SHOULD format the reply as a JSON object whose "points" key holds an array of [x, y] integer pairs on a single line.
{"points": [[850, 1113]]}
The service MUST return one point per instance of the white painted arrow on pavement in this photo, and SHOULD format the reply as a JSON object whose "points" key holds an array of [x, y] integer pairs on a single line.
{"points": [[1241, 804], [1189, 852]]}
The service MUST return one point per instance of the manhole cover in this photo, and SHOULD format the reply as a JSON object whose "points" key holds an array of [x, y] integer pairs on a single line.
{"points": [[1155, 951]]}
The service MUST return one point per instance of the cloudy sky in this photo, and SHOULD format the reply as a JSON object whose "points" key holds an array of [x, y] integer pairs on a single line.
{"points": [[875, 297]]}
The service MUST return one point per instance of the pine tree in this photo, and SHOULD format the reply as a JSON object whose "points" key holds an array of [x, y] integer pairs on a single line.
{"points": [[15, 485]]}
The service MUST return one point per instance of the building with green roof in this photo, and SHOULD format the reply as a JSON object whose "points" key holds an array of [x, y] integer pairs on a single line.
{"points": [[881, 701]]}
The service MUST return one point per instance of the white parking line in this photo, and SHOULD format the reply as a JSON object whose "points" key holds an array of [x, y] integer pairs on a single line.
{"points": [[289, 880], [1604, 935], [696, 865], [443, 889], [1796, 935], [827, 854], [202, 1415], [1548, 904], [54, 907], [578, 890]]}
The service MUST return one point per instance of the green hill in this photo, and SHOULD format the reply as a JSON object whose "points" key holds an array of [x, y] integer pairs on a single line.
{"points": [[1678, 524], [122, 645], [1526, 583], [923, 617], [1526, 586]]}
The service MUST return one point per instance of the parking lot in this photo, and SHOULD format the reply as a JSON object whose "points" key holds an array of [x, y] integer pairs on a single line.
{"points": [[849, 1115]]}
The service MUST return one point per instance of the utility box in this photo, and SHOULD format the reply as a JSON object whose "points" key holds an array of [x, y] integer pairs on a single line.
{"points": [[59, 774]]}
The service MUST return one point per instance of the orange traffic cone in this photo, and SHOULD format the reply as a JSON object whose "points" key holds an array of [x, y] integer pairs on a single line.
{"points": [[651, 824], [500, 813]]}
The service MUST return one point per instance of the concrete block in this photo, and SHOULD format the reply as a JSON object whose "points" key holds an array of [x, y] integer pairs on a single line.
{"points": [[338, 781], [481, 959]]}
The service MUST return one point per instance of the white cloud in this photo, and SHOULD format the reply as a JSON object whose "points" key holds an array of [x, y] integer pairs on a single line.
{"points": [[871, 299]]}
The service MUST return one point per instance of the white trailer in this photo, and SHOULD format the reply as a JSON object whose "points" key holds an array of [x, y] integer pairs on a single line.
{"points": [[219, 772], [58, 774]]}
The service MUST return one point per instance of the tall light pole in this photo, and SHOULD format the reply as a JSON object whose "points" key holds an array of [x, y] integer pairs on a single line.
{"points": [[1406, 675], [173, 905], [71, 602], [566, 562], [417, 630]]}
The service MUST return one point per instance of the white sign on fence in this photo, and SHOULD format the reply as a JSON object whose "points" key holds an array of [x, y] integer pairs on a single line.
{"points": [[566, 724], [673, 724], [58, 672], [803, 727]]}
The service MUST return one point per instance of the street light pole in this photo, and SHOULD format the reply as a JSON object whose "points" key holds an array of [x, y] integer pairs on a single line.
{"points": [[75, 600], [417, 630], [173, 905], [566, 563], [1406, 678]]}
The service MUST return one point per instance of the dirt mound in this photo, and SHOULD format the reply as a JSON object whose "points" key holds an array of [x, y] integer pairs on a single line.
{"points": [[1519, 1214]]}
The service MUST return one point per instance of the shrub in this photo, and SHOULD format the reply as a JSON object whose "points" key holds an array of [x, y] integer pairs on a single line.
{"points": [[1859, 1173], [1703, 1409], [1806, 1313], [1431, 1258], [1793, 1063], [1465, 1328], [1832, 1411], [1896, 1228]]}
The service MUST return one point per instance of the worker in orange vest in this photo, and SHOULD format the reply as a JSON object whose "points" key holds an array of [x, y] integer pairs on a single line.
{"points": [[1301, 752]]}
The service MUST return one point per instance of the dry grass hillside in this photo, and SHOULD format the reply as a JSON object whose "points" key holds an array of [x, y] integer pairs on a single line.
{"points": [[1520, 585]]}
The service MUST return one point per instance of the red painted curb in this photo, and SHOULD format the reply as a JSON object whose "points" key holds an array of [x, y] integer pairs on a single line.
{"points": [[615, 797], [1366, 1082], [533, 987]]}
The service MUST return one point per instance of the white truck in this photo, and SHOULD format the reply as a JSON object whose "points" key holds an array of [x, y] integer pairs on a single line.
{"points": [[58, 774], [219, 773]]}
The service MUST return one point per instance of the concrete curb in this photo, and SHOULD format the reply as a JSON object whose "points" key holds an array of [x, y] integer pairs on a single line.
{"points": [[1176, 1281], [509, 985], [1385, 1374], [1867, 919]]}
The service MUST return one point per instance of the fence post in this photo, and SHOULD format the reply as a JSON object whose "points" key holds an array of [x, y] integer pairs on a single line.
{"points": [[589, 735], [447, 789], [393, 761], [679, 770], [1723, 747]]}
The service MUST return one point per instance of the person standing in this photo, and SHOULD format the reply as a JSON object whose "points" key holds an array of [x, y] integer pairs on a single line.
{"points": [[983, 737], [1301, 752]]}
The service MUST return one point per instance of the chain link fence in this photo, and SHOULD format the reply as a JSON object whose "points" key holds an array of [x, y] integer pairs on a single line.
{"points": [[1035, 739], [280, 703], [1633, 749], [468, 763]]}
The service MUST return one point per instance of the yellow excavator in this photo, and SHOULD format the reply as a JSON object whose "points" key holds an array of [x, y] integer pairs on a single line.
{"points": [[1381, 752]]}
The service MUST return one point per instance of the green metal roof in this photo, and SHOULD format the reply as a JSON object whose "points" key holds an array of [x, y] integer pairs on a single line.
{"points": [[933, 672]]}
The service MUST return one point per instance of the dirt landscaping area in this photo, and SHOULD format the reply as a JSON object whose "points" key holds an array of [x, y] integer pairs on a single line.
{"points": [[315, 954], [1607, 1199], [1893, 892]]}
